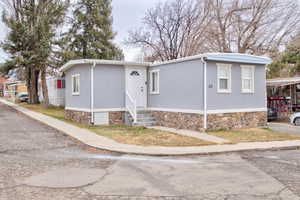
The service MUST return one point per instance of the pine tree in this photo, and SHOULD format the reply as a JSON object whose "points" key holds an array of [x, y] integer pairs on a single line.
{"points": [[91, 35], [292, 55], [32, 29], [288, 63]]}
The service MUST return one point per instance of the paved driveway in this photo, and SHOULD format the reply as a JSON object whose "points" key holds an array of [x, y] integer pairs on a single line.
{"points": [[285, 128], [39, 163]]}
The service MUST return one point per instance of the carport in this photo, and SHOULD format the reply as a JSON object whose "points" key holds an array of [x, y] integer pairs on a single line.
{"points": [[284, 96]]}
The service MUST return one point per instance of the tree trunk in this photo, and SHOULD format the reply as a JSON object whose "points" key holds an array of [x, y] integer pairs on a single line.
{"points": [[33, 86], [28, 83], [44, 88]]}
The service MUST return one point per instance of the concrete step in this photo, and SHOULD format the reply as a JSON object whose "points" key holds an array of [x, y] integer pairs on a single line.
{"points": [[143, 112], [144, 118], [146, 121], [144, 124]]}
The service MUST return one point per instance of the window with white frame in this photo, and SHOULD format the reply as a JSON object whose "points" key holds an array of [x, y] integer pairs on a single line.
{"points": [[224, 78], [247, 73], [154, 82], [76, 84]]}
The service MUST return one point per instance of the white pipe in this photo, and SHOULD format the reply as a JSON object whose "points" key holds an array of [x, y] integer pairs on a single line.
{"points": [[92, 92], [204, 93]]}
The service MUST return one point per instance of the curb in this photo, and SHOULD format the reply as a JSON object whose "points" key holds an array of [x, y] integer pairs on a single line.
{"points": [[99, 142]]}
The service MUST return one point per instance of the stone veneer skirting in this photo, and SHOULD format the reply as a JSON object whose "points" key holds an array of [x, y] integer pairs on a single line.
{"points": [[214, 121], [178, 120], [184, 120], [236, 120], [78, 116], [114, 118], [117, 118]]}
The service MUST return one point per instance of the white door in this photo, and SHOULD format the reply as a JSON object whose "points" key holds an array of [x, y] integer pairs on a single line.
{"points": [[136, 78]]}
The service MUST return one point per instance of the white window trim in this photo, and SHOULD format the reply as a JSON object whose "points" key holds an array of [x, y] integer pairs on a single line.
{"points": [[151, 81], [75, 93], [247, 91], [229, 78]]}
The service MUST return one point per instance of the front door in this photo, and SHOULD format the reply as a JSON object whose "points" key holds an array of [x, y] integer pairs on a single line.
{"points": [[136, 78]]}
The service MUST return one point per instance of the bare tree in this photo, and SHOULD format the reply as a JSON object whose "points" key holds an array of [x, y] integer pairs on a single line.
{"points": [[252, 26], [173, 29], [180, 28]]}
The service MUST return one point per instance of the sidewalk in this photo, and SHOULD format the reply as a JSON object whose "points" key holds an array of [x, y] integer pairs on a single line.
{"points": [[91, 139], [195, 134]]}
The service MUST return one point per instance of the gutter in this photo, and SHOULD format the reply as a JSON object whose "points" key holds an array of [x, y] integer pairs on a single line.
{"points": [[92, 92], [203, 60]]}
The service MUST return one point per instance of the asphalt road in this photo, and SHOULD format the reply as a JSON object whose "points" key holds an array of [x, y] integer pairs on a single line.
{"points": [[40, 163]]}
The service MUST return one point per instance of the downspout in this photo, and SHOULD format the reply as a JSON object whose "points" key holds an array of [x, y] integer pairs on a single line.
{"points": [[92, 93], [203, 60]]}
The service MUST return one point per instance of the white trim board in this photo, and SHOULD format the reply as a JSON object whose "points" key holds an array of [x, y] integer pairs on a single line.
{"points": [[209, 111], [237, 110], [96, 110], [217, 57], [175, 110]]}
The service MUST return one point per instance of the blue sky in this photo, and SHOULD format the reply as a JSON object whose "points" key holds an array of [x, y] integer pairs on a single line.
{"points": [[127, 16]]}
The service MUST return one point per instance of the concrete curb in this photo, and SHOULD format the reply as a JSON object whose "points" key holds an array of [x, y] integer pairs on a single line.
{"points": [[93, 140]]}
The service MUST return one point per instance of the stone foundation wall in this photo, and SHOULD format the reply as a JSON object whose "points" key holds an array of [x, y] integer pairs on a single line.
{"points": [[179, 120], [236, 120], [184, 120], [117, 118], [78, 116], [214, 121]]}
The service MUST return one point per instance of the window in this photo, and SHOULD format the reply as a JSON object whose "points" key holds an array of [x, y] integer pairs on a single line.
{"points": [[63, 84], [134, 73], [76, 84], [247, 73], [154, 82], [60, 84], [224, 78]]}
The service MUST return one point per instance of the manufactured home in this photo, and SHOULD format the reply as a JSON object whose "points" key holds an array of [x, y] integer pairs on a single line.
{"points": [[13, 88], [208, 91], [56, 91]]}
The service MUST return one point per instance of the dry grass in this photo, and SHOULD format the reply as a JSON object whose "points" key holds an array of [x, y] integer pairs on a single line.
{"points": [[254, 135], [146, 137], [54, 112], [124, 134]]}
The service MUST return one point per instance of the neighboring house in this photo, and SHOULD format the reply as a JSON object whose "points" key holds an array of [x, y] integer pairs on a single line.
{"points": [[12, 88], [56, 91], [2, 81], [209, 91]]}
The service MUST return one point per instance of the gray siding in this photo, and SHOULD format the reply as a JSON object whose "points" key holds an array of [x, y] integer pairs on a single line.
{"points": [[109, 87], [236, 99], [181, 86], [83, 100]]}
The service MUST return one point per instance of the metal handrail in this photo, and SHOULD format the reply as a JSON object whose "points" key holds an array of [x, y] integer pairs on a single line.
{"points": [[132, 111]]}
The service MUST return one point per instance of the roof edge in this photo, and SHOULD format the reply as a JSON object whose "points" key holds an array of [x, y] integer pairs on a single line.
{"points": [[238, 57], [221, 57], [178, 60], [71, 63]]}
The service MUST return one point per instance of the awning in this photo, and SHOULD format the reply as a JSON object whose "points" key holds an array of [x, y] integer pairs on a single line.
{"points": [[280, 82]]}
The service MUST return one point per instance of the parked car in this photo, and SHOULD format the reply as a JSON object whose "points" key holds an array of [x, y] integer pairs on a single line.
{"points": [[23, 97], [295, 119], [272, 114]]}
